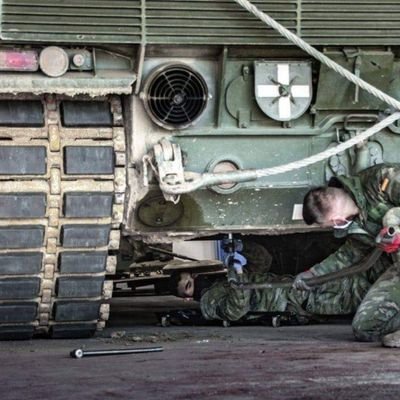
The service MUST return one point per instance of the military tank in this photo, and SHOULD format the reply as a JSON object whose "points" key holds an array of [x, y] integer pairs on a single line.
{"points": [[104, 104]]}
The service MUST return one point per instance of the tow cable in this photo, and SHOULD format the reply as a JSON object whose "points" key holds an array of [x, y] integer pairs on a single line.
{"points": [[172, 189]]}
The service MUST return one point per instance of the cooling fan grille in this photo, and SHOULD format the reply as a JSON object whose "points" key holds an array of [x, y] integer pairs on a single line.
{"points": [[176, 96]]}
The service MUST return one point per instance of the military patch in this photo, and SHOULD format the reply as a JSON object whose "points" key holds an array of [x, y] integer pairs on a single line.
{"points": [[283, 90]]}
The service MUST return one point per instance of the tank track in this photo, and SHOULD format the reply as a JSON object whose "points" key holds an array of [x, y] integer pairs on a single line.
{"points": [[62, 189]]}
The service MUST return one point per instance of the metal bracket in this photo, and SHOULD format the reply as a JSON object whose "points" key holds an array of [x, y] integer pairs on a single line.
{"points": [[366, 153], [357, 55], [168, 157]]}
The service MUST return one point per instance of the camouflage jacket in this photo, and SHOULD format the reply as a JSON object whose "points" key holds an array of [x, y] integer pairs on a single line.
{"points": [[221, 301], [375, 191], [337, 297]]}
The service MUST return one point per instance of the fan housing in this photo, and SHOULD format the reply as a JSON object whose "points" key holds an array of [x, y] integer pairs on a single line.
{"points": [[175, 96]]}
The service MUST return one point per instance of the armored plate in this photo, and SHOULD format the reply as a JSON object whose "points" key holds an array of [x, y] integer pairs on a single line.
{"points": [[85, 235], [18, 312], [22, 160], [76, 311], [19, 288], [23, 205], [79, 286], [89, 160], [86, 113], [82, 262], [283, 90], [20, 263], [88, 205]]}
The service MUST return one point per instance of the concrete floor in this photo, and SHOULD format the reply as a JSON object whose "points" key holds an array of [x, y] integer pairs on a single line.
{"points": [[257, 362]]}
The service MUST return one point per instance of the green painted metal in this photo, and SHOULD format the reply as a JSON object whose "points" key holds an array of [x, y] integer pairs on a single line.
{"points": [[73, 21], [263, 206], [320, 22], [244, 210], [233, 128], [376, 67], [243, 135], [251, 152]]}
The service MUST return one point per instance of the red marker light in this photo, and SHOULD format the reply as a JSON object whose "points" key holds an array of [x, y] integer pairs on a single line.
{"points": [[19, 60]]}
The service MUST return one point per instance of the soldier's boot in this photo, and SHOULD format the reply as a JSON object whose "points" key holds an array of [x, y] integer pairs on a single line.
{"points": [[392, 339]]}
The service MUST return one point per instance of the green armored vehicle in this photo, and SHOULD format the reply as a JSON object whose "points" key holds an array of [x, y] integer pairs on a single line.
{"points": [[114, 115]]}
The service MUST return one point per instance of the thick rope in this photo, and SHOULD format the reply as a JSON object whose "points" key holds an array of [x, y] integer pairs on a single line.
{"points": [[201, 180], [197, 181], [330, 152], [318, 55]]}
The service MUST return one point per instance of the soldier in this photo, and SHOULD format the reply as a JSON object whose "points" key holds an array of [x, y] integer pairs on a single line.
{"points": [[362, 208], [220, 301]]}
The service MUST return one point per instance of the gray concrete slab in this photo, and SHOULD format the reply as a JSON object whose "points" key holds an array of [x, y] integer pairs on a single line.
{"points": [[257, 362]]}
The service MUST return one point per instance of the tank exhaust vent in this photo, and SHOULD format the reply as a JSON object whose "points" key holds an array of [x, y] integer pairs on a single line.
{"points": [[175, 96]]}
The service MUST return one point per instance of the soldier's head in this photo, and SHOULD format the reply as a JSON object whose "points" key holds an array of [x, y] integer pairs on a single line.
{"points": [[330, 207], [190, 285], [181, 284]]}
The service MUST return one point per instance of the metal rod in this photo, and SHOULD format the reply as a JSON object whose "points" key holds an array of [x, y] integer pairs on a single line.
{"points": [[357, 268], [79, 353], [170, 253]]}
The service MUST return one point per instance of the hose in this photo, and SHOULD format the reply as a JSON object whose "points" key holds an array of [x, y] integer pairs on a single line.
{"points": [[365, 264]]}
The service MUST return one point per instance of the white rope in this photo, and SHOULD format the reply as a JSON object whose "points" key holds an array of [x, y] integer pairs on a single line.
{"points": [[197, 181], [318, 55], [332, 151]]}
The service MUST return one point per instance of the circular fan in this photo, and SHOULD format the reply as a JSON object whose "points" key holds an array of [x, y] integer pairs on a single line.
{"points": [[175, 96]]}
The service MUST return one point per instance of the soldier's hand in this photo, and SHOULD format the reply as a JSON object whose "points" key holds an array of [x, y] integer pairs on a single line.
{"points": [[299, 283]]}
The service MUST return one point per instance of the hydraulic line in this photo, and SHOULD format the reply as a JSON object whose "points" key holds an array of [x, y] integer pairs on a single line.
{"points": [[365, 264]]}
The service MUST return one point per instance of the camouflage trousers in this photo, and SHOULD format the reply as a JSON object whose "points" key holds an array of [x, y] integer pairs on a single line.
{"points": [[379, 312]]}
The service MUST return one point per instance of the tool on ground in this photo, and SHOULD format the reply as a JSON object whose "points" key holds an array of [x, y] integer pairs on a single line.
{"points": [[79, 353]]}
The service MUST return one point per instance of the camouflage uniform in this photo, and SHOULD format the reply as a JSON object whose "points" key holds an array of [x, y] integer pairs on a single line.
{"points": [[341, 297], [378, 313]]}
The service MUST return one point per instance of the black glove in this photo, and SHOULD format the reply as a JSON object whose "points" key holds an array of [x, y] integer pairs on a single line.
{"points": [[299, 283]]}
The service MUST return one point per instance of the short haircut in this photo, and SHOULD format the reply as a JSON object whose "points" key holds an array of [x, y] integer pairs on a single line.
{"points": [[201, 282], [317, 204]]}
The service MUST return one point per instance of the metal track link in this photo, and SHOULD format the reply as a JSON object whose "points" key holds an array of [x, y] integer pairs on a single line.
{"points": [[62, 188]]}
